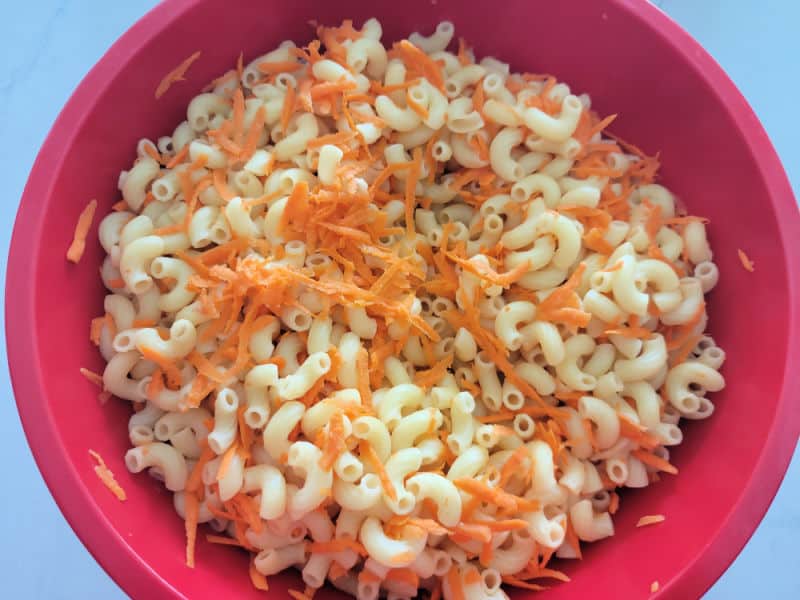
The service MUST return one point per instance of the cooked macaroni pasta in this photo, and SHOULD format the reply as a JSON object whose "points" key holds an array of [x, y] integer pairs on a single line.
{"points": [[401, 319]]}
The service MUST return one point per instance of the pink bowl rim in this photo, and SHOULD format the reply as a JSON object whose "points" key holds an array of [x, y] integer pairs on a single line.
{"points": [[79, 507]]}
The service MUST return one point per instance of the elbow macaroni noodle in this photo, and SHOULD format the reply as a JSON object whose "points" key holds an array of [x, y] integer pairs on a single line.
{"points": [[372, 299]]}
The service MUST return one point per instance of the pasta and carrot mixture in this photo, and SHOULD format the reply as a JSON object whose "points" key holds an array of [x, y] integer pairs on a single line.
{"points": [[401, 319]]}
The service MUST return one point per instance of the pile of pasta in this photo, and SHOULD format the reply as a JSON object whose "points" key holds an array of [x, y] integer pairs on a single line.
{"points": [[401, 319]]}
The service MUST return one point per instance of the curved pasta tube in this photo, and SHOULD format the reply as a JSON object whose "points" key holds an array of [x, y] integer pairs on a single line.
{"points": [[411, 427], [652, 357], [464, 153], [368, 55], [239, 219], [556, 129], [399, 119], [604, 417], [462, 117], [169, 462], [203, 108], [179, 296], [134, 184], [692, 298], [542, 381], [568, 370], [680, 377], [170, 423], [297, 142], [358, 497], [442, 491], [182, 338], [538, 183], [500, 154], [626, 293], [547, 532], [318, 415], [391, 552], [462, 423], [567, 236], [396, 399], [225, 421], [305, 457], [277, 431], [648, 403], [109, 230], [508, 322], [135, 261], [297, 384], [116, 380], [513, 559], [275, 560], [269, 481], [589, 526], [399, 465], [374, 431], [437, 41]]}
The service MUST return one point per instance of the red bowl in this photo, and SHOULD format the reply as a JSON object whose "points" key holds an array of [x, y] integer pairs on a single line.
{"points": [[671, 97]]}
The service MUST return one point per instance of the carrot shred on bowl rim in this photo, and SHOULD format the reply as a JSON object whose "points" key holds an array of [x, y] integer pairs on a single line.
{"points": [[650, 520], [176, 75], [106, 476], [78, 245], [748, 264], [369, 272]]}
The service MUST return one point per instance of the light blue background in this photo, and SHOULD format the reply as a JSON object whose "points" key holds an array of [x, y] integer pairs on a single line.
{"points": [[47, 46]]}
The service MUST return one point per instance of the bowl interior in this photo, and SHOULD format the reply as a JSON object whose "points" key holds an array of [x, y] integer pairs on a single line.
{"points": [[599, 47]]}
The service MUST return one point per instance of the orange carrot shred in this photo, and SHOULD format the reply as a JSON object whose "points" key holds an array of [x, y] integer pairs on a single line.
{"points": [[192, 509], [655, 461], [453, 580], [92, 377], [176, 75], [107, 477], [650, 520], [78, 245], [258, 580], [745, 260]]}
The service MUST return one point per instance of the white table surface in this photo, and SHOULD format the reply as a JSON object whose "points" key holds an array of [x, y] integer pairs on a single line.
{"points": [[46, 47]]}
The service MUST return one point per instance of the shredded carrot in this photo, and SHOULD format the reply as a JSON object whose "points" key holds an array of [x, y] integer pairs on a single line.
{"points": [[288, 108], [613, 506], [335, 444], [362, 371], [453, 580], [274, 68], [177, 74], [192, 509], [655, 461], [650, 520], [513, 581], [473, 531], [78, 245], [369, 454], [634, 432], [92, 377], [496, 496], [258, 580], [107, 477], [745, 260]]}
